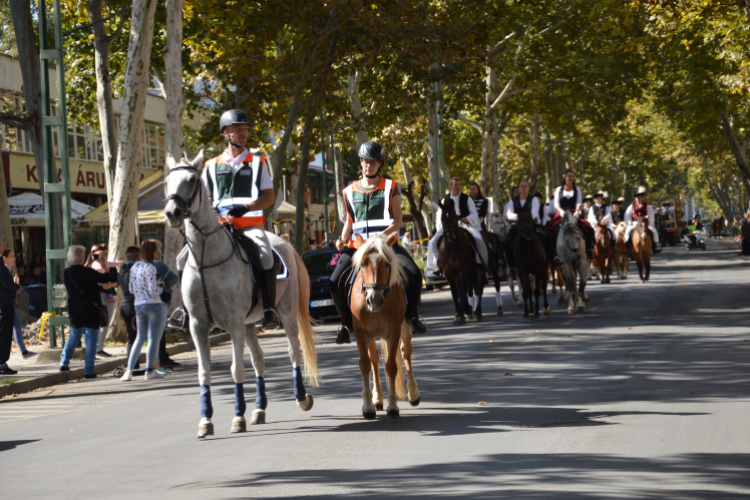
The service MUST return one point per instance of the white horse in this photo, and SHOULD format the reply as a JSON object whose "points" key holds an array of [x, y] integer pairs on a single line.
{"points": [[217, 290], [571, 247]]}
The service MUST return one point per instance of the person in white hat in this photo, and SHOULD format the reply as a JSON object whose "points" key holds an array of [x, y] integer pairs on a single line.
{"points": [[640, 208]]}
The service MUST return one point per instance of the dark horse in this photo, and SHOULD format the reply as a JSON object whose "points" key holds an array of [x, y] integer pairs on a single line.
{"points": [[531, 265], [457, 259]]}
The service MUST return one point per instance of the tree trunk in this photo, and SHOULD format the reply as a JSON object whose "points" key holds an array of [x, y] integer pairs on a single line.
{"points": [[102, 44], [124, 203], [338, 177], [534, 153], [734, 145], [488, 130], [6, 229], [435, 195], [359, 121], [175, 135], [300, 229]]}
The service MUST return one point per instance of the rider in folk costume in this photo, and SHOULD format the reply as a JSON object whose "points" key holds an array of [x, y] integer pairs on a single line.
{"points": [[600, 214], [240, 187], [543, 210], [373, 207], [509, 205], [524, 203], [617, 215], [480, 202], [568, 198], [587, 201], [468, 219], [640, 208]]}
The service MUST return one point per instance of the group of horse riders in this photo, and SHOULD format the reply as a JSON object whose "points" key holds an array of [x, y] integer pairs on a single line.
{"points": [[240, 186]]}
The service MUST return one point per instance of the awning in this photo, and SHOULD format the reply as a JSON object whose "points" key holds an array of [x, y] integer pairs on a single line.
{"points": [[286, 209], [150, 203], [27, 209]]}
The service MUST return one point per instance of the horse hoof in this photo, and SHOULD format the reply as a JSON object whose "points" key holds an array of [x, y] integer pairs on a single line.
{"points": [[537, 316], [640, 280], [478, 318], [527, 318], [583, 309], [239, 424], [570, 311], [205, 428], [585, 297], [392, 413], [459, 321], [415, 402], [259, 417], [379, 406], [369, 415], [546, 311], [561, 302], [471, 317], [499, 311], [307, 404]]}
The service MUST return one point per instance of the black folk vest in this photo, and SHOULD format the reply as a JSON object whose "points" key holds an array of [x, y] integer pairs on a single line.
{"points": [[599, 212], [520, 207], [567, 203], [463, 205], [480, 202], [617, 217]]}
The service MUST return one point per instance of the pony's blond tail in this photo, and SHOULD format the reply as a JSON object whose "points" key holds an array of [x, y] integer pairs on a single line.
{"points": [[304, 324], [400, 388]]}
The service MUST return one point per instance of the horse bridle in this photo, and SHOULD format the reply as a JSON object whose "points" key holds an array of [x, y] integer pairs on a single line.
{"points": [[181, 202], [385, 288]]}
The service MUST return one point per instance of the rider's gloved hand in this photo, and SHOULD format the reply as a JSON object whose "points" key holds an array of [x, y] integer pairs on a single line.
{"points": [[238, 211]]}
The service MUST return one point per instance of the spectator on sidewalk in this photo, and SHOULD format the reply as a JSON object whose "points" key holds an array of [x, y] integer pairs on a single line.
{"points": [[150, 312], [8, 290], [168, 279], [82, 285], [18, 325], [127, 307], [98, 261]]}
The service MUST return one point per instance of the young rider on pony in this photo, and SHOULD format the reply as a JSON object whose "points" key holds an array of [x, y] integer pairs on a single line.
{"points": [[568, 198], [521, 203], [600, 214], [373, 207], [240, 186], [640, 208], [468, 219]]}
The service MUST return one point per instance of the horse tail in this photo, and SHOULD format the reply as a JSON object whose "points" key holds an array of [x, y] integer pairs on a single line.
{"points": [[304, 324], [400, 388]]}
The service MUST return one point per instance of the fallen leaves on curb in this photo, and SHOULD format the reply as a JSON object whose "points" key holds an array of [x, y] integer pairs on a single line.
{"points": [[631, 366], [492, 340], [483, 403], [507, 374], [630, 328]]}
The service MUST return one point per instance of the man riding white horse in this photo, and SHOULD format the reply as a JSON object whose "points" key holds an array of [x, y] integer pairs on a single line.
{"points": [[240, 187], [640, 208], [468, 219], [600, 214], [373, 207]]}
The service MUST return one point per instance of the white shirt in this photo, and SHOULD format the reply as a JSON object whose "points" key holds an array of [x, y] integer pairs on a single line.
{"points": [[607, 215], [561, 193], [506, 209], [472, 218], [629, 214], [512, 215]]}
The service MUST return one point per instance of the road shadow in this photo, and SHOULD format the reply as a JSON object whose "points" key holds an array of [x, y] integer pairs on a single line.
{"points": [[10, 445]]}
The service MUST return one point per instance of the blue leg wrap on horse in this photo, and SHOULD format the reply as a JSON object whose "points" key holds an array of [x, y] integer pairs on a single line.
{"points": [[239, 400], [206, 409], [299, 387], [260, 393]]}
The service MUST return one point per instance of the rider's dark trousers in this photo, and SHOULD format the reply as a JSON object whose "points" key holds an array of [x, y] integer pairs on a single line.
{"points": [[541, 233], [413, 292]]}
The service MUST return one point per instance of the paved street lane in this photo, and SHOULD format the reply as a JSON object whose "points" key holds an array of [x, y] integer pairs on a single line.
{"points": [[646, 395]]}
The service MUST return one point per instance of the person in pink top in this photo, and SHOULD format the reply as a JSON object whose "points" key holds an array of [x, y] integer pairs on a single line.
{"points": [[98, 261]]}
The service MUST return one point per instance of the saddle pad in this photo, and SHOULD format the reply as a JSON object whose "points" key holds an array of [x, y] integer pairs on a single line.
{"points": [[251, 252]]}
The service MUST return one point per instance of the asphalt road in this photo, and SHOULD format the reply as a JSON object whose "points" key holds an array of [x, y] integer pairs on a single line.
{"points": [[646, 395]]}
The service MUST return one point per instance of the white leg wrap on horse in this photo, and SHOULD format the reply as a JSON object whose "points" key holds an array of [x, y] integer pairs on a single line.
{"points": [[498, 299]]}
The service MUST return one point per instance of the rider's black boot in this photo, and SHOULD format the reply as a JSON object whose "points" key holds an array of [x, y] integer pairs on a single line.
{"points": [[343, 336], [655, 247], [268, 291], [589, 248], [417, 324]]}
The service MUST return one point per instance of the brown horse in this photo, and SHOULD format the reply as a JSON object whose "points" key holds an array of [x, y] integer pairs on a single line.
{"points": [[531, 265], [642, 248], [621, 257], [378, 308], [456, 258], [603, 250]]}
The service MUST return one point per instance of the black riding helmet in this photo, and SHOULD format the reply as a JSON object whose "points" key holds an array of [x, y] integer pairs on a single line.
{"points": [[371, 150], [233, 117]]}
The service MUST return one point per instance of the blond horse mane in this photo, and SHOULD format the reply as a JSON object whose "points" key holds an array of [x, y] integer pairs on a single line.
{"points": [[620, 230], [378, 244]]}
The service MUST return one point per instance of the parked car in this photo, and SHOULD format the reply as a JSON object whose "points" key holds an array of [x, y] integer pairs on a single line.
{"points": [[320, 264]]}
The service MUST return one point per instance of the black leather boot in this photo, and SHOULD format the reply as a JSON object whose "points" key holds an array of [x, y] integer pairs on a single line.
{"points": [[343, 336], [268, 292]]}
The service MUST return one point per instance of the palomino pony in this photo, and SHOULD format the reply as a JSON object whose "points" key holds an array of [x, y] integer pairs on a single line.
{"points": [[571, 247], [531, 265], [642, 248], [218, 290], [378, 306], [621, 257], [603, 251], [457, 259]]}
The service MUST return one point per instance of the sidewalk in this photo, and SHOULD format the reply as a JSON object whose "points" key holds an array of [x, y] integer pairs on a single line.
{"points": [[38, 375]]}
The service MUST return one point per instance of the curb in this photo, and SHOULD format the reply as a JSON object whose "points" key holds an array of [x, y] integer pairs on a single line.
{"points": [[100, 368]]}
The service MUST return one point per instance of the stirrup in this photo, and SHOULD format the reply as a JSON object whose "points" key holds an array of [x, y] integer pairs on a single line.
{"points": [[179, 319], [418, 325], [343, 336], [271, 319]]}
